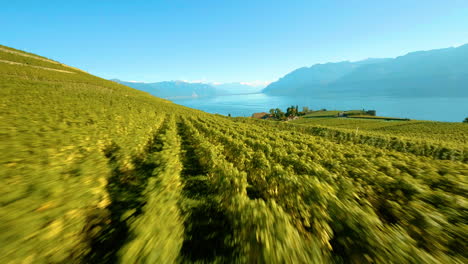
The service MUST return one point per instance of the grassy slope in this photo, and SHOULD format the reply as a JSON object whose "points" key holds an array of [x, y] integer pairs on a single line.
{"points": [[56, 129], [331, 113], [94, 171]]}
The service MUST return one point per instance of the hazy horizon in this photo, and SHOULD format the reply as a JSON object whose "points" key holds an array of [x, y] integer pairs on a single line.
{"points": [[263, 84]]}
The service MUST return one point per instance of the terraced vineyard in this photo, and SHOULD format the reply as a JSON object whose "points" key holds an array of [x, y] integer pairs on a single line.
{"points": [[96, 172], [454, 134]]}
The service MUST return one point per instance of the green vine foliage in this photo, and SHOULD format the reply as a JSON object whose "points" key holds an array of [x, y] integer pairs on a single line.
{"points": [[96, 172]]}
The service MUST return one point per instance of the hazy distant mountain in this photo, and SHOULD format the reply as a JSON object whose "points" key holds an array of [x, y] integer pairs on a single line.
{"points": [[238, 88], [442, 72], [173, 89]]}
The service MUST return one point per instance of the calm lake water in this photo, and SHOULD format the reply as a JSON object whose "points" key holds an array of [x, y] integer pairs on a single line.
{"points": [[438, 109]]}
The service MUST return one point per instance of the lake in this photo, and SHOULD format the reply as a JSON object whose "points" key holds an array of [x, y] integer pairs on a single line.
{"points": [[429, 108]]}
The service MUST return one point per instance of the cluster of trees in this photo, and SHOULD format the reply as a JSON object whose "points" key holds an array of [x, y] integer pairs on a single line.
{"points": [[291, 111], [466, 120]]}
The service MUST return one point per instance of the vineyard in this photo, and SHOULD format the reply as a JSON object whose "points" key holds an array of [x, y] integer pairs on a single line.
{"points": [[96, 172], [453, 134]]}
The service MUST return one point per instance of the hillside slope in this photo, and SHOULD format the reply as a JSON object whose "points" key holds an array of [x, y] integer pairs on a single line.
{"points": [[447, 134], [97, 172], [442, 72]]}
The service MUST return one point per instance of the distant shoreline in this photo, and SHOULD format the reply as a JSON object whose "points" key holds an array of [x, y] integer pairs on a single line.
{"points": [[199, 97]]}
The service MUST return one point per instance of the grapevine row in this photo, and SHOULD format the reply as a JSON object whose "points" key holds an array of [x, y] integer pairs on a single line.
{"points": [[262, 230], [417, 147], [161, 216], [372, 177]]}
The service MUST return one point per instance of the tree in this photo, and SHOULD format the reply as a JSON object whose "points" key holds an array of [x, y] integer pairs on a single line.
{"points": [[278, 113], [288, 111], [466, 120], [291, 111]]}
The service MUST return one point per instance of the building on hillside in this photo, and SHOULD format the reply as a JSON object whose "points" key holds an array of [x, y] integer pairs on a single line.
{"points": [[289, 118], [261, 115]]}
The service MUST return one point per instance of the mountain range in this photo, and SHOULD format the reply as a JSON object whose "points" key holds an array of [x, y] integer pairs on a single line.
{"points": [[238, 88], [441, 72], [181, 89], [175, 89], [433, 73]]}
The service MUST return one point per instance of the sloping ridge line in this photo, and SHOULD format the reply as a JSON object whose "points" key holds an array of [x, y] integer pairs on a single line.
{"points": [[38, 67], [39, 58]]}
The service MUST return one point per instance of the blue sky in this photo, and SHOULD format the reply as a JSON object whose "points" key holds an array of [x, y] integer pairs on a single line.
{"points": [[226, 41]]}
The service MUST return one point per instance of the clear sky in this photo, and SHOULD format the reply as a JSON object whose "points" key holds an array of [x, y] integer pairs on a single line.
{"points": [[226, 41]]}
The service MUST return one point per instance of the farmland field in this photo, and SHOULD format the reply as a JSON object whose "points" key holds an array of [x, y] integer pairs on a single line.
{"points": [[438, 132], [97, 172]]}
